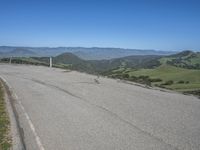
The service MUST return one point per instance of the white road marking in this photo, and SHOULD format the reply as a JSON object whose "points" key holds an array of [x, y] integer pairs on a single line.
{"points": [[4, 80], [37, 138], [16, 97]]}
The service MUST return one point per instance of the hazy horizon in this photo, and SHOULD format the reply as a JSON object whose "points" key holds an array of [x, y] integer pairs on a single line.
{"points": [[173, 50]]}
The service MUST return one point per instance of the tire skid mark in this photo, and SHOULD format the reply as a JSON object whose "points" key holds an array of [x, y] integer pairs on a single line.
{"points": [[102, 109], [106, 110]]}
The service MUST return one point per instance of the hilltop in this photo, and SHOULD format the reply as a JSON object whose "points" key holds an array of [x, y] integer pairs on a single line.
{"points": [[186, 59]]}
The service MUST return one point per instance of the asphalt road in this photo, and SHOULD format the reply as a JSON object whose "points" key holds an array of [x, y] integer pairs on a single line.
{"points": [[62, 110]]}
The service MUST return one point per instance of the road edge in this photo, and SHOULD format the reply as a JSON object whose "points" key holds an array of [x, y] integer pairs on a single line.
{"points": [[16, 131]]}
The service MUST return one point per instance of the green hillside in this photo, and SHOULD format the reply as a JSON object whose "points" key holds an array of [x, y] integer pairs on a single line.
{"points": [[180, 72], [185, 59], [190, 77]]}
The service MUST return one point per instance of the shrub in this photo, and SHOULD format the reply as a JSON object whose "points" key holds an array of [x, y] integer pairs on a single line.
{"points": [[155, 80], [133, 78], [194, 92], [117, 76], [112, 76], [181, 82], [125, 75], [143, 81], [160, 85], [170, 82], [143, 77]]}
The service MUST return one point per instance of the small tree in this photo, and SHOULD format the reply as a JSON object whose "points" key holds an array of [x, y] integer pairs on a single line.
{"points": [[125, 75]]}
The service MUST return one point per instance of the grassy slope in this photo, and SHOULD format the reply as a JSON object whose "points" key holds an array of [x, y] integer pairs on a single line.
{"points": [[196, 60], [167, 72], [5, 142], [28, 59], [183, 59]]}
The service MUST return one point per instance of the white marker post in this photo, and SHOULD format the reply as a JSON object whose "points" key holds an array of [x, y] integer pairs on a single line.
{"points": [[50, 62], [10, 60]]}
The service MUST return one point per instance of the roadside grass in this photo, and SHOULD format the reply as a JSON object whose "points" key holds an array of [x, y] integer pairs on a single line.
{"points": [[5, 140]]}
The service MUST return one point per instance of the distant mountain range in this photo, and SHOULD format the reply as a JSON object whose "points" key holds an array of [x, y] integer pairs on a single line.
{"points": [[93, 53], [185, 59], [17, 52]]}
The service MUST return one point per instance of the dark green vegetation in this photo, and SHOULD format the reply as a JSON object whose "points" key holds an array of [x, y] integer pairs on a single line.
{"points": [[194, 92], [5, 141], [178, 72]]}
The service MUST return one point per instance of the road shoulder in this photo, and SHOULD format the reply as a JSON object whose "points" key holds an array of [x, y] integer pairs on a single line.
{"points": [[14, 127]]}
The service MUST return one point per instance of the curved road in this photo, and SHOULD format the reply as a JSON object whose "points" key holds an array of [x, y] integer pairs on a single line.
{"points": [[62, 110]]}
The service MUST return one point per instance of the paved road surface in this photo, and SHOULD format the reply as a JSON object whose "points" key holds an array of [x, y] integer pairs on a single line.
{"points": [[60, 110]]}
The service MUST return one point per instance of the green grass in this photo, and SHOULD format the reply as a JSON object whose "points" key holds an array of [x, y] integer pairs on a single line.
{"points": [[196, 60], [188, 60], [62, 65], [185, 87], [167, 72], [165, 59], [28, 59], [5, 141]]}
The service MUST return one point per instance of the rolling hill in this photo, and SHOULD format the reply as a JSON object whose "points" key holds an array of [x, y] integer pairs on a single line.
{"points": [[100, 66], [96, 53], [18, 52], [93, 53], [178, 72], [185, 59], [183, 79]]}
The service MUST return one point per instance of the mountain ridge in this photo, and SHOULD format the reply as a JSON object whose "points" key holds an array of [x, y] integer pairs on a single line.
{"points": [[87, 53]]}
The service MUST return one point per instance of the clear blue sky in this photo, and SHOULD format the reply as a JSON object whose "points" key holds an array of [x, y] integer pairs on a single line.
{"points": [[141, 24]]}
